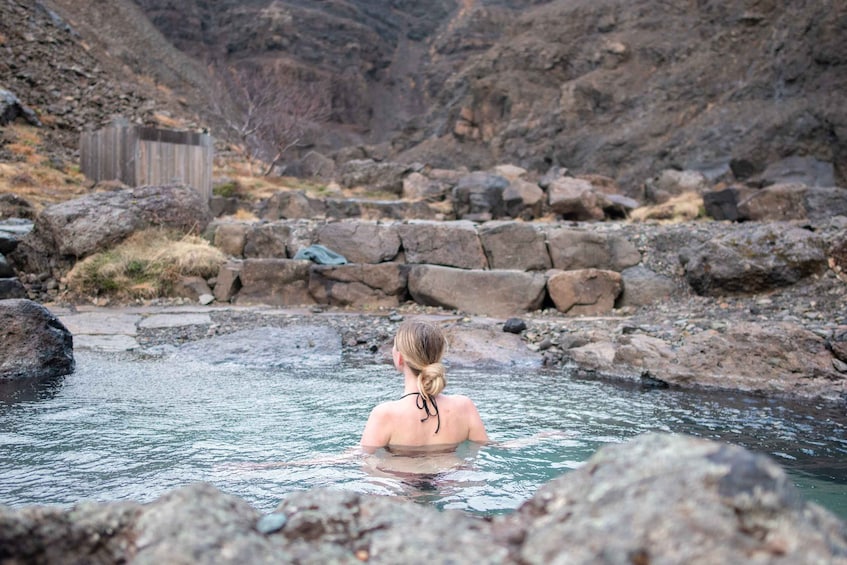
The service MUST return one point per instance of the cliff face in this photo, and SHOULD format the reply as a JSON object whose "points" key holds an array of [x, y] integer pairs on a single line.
{"points": [[617, 87]]}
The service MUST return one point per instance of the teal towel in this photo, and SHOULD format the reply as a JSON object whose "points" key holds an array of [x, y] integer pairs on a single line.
{"points": [[320, 255]]}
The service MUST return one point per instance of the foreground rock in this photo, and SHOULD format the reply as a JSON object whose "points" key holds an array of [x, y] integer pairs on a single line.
{"points": [[673, 499], [34, 342], [656, 499]]}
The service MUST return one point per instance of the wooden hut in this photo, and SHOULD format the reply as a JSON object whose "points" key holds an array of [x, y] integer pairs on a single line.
{"points": [[139, 156]]}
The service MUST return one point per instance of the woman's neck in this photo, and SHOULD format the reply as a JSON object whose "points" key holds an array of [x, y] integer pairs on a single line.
{"points": [[410, 381]]}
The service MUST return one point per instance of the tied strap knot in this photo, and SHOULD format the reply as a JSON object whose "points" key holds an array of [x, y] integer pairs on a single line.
{"points": [[422, 404]]}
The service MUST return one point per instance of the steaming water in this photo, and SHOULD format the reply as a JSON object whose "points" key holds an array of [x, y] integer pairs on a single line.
{"points": [[124, 427]]}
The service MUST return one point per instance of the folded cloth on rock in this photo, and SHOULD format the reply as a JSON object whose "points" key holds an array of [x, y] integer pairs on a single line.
{"points": [[321, 255]]}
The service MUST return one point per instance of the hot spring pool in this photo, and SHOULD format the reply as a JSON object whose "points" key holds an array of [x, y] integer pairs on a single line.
{"points": [[131, 428]]}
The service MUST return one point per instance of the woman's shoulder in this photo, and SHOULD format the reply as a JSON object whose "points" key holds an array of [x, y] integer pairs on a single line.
{"points": [[460, 400]]}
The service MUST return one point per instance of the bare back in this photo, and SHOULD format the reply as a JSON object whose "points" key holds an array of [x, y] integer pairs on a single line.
{"points": [[398, 423]]}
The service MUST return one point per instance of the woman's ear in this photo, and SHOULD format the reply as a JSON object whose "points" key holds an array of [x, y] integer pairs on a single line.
{"points": [[398, 360]]}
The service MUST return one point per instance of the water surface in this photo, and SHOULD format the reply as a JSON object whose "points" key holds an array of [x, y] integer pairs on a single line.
{"points": [[129, 428]]}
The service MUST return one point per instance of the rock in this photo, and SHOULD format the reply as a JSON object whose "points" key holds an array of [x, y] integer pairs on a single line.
{"points": [[838, 346], [723, 204], [325, 525], [228, 281], [295, 345], [524, 200], [572, 249], [192, 288], [11, 288], [316, 165], [88, 532], [359, 285], [643, 287], [781, 202], [485, 347], [514, 245], [665, 498], [200, 524], [13, 206], [35, 343], [487, 293], [11, 108], [514, 326], [361, 242], [417, 186], [670, 183], [6, 270], [585, 292], [267, 241], [292, 204], [825, 202], [274, 282], [451, 244], [231, 237], [753, 260], [797, 170], [224, 205], [774, 359], [98, 221], [373, 175], [574, 199], [479, 196]]}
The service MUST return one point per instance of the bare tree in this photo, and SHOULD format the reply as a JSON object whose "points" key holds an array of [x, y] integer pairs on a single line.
{"points": [[269, 115]]}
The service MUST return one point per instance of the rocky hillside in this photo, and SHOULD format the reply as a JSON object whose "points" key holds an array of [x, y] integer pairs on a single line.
{"points": [[614, 87]]}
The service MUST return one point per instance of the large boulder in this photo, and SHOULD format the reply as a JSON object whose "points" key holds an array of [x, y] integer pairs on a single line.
{"points": [[374, 176], [479, 196], [665, 498], [361, 241], [572, 249], [585, 292], [274, 282], [523, 199], [774, 358], [278, 240], [486, 293], [77, 228], [359, 285], [34, 342], [514, 245], [643, 287], [783, 202], [451, 244], [575, 199], [757, 259], [231, 237]]}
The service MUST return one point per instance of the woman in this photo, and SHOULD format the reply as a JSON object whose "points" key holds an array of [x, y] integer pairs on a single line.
{"points": [[423, 418]]}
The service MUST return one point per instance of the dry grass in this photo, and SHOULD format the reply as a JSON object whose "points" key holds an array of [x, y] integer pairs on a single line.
{"points": [[146, 265], [682, 208], [31, 176]]}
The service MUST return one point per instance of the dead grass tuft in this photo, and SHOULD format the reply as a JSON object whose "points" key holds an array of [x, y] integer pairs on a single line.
{"points": [[146, 265], [682, 208]]}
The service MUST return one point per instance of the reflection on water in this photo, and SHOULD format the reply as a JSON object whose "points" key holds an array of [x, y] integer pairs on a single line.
{"points": [[122, 427]]}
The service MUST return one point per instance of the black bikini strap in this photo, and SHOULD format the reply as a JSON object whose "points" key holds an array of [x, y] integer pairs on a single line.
{"points": [[421, 403]]}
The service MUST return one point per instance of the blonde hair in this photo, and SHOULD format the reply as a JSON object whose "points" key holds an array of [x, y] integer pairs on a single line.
{"points": [[423, 345]]}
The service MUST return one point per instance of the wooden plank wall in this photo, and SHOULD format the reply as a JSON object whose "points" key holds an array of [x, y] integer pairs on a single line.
{"points": [[140, 156]]}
